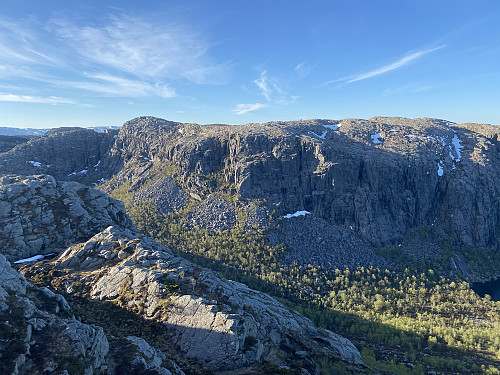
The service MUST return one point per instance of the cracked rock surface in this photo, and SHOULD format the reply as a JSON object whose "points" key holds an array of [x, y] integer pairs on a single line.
{"points": [[39, 215], [210, 318]]}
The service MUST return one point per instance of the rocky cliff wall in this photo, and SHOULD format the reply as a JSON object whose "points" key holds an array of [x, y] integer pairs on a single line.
{"points": [[382, 177]]}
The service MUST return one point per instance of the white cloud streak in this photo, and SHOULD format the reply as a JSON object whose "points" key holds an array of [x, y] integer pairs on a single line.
{"points": [[128, 56], [272, 92], [241, 109], [143, 48], [110, 85], [386, 68], [408, 89], [5, 97]]}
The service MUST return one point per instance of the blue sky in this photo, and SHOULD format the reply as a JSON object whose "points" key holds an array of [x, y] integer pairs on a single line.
{"points": [[91, 63]]}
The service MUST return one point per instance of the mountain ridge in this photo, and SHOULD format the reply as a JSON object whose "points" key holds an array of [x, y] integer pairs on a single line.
{"points": [[382, 178]]}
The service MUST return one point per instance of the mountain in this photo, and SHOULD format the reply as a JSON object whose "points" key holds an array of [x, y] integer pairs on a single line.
{"points": [[372, 184], [33, 132], [8, 142], [370, 228], [117, 278], [21, 131]]}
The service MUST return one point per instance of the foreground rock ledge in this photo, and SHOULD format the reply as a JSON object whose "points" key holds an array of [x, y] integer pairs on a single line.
{"points": [[222, 324]]}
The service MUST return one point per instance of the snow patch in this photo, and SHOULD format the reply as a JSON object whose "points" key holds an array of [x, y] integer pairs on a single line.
{"points": [[458, 147], [377, 139], [83, 171], [33, 258], [102, 180], [35, 163], [146, 158], [440, 170], [115, 136], [99, 162], [296, 214], [322, 136]]}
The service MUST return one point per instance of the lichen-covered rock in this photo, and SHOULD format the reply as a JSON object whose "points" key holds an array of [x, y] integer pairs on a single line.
{"points": [[222, 324], [39, 335], [149, 358], [39, 215], [38, 332]]}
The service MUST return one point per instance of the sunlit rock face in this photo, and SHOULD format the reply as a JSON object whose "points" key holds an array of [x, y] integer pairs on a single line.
{"points": [[222, 324], [39, 215]]}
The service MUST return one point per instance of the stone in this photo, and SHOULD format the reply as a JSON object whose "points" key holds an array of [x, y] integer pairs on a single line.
{"points": [[33, 228]]}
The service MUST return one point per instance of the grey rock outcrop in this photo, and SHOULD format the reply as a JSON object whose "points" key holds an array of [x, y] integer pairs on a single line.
{"points": [[40, 215], [222, 324], [149, 358], [40, 335], [35, 338]]}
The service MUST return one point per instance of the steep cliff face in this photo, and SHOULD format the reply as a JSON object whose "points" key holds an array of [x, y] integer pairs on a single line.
{"points": [[66, 153], [381, 177]]}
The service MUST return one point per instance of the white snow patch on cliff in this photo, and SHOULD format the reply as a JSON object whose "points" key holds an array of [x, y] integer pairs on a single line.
{"points": [[33, 258], [296, 214], [377, 139], [35, 163], [322, 136], [440, 170]]}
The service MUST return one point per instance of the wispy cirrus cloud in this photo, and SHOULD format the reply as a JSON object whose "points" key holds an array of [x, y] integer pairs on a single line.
{"points": [[241, 109], [110, 85], [54, 100], [401, 62], [303, 69], [143, 47], [127, 55], [20, 43], [272, 92]]}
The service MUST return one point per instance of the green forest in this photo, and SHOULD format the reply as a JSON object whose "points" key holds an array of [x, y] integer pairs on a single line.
{"points": [[407, 320]]}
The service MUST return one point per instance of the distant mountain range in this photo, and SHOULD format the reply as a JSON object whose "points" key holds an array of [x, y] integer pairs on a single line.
{"points": [[38, 131]]}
